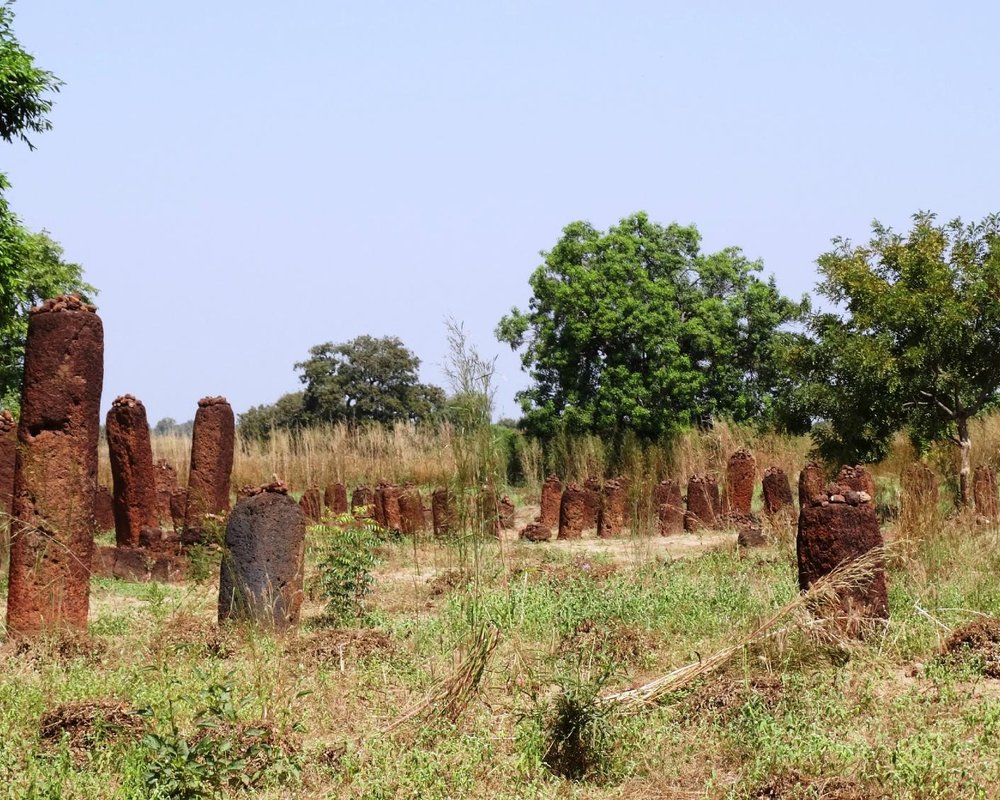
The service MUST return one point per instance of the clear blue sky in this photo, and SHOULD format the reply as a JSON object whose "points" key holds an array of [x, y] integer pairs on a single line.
{"points": [[243, 180]]}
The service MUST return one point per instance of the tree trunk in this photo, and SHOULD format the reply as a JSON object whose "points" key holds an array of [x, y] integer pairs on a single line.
{"points": [[964, 472]]}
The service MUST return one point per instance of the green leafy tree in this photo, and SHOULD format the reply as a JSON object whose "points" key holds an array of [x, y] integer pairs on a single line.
{"points": [[287, 413], [367, 379], [31, 264], [637, 330], [916, 347]]}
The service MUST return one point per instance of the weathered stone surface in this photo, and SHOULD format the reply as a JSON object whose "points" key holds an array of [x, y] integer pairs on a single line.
{"points": [[777, 491], [335, 499], [387, 506], [506, 512], [165, 478], [669, 506], [749, 534], [139, 565], [614, 508], [131, 455], [411, 511], [536, 532], [833, 533], [363, 503], [104, 509], [55, 484], [702, 503], [984, 491], [812, 483], [178, 507], [592, 507], [572, 511], [443, 512], [488, 509], [8, 455], [261, 578], [213, 443], [552, 489], [857, 478], [311, 505], [741, 477]]}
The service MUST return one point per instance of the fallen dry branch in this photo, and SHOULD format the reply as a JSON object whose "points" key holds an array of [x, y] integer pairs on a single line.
{"points": [[823, 594]]}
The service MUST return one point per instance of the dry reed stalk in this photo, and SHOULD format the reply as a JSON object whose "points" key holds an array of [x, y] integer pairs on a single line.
{"points": [[449, 697], [822, 594]]}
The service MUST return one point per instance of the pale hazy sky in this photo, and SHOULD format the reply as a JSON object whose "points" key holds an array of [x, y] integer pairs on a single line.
{"points": [[243, 180]]}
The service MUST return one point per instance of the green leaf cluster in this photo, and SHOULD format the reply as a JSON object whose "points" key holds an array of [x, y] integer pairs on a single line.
{"points": [[636, 329]]}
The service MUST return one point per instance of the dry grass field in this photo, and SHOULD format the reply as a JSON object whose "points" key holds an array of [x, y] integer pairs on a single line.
{"points": [[502, 669]]}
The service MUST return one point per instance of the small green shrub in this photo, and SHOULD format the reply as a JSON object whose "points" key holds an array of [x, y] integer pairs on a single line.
{"points": [[345, 567]]}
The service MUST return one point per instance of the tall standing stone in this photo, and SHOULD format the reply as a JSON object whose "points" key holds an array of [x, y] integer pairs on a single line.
{"points": [[261, 578], [411, 510], [8, 455], [335, 499], [311, 505], [592, 506], [702, 502], [506, 512], [548, 514], [133, 479], [387, 506], [213, 444], [741, 476], [837, 527], [857, 479], [812, 483], [165, 477], [52, 534], [614, 508], [572, 512], [669, 506], [984, 491], [363, 502], [777, 491]]}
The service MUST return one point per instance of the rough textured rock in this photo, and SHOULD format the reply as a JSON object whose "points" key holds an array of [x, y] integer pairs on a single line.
{"points": [[536, 532], [52, 534], [506, 511], [488, 508], [834, 529], [411, 510], [669, 506], [140, 565], [262, 567], [443, 512], [178, 507], [749, 533], [741, 477], [363, 502], [8, 455], [777, 491], [335, 499], [614, 508], [812, 483], [213, 444], [572, 511], [856, 478], [311, 505], [552, 489], [104, 509], [702, 503], [165, 477], [387, 506], [134, 481], [984, 491], [592, 508]]}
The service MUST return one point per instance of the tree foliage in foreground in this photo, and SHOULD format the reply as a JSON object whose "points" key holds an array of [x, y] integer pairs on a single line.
{"points": [[917, 347], [636, 329], [31, 264]]}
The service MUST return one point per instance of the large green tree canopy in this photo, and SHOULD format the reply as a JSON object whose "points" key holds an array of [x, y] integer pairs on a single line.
{"points": [[31, 264], [367, 379], [916, 345], [637, 329]]}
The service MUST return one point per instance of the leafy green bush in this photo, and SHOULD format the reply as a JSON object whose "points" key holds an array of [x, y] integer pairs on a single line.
{"points": [[345, 567]]}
